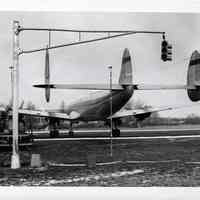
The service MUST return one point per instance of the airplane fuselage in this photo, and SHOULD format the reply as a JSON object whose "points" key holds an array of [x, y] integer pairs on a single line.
{"points": [[98, 108]]}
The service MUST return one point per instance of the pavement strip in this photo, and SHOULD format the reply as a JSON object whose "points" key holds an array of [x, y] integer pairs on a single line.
{"points": [[118, 138]]}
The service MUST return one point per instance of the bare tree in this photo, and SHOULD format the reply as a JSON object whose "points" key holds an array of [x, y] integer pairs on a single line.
{"points": [[192, 119], [30, 106]]}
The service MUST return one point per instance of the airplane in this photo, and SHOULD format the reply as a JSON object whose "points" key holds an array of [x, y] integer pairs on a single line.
{"points": [[97, 107]]}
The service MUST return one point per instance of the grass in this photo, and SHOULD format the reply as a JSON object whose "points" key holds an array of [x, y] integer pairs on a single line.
{"points": [[157, 174]]}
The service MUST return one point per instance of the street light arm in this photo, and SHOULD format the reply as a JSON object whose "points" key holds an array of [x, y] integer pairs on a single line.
{"points": [[88, 41], [87, 31]]}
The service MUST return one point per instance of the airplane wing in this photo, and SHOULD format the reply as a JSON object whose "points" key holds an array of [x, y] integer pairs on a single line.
{"points": [[161, 87], [81, 86], [39, 113], [138, 112], [114, 86]]}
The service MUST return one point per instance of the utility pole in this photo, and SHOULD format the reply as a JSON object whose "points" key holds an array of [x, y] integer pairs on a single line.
{"points": [[111, 124], [15, 160], [11, 79]]}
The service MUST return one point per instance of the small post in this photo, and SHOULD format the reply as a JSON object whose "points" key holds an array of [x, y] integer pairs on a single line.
{"points": [[36, 160], [111, 125], [15, 160]]}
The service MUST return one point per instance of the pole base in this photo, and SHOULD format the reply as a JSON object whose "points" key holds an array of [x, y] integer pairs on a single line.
{"points": [[15, 162]]}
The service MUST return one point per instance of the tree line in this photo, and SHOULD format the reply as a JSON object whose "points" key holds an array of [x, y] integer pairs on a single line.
{"points": [[154, 120]]}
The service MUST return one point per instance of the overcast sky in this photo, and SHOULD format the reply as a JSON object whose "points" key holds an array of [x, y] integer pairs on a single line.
{"points": [[88, 63]]}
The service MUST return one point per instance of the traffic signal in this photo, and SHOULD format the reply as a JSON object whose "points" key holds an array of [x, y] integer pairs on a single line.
{"points": [[169, 52], [166, 51]]}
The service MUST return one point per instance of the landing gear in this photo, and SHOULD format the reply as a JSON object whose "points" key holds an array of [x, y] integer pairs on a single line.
{"points": [[116, 132], [54, 133], [71, 132], [138, 123], [53, 126], [140, 118]]}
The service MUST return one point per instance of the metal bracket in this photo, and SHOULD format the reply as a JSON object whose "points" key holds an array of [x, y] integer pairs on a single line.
{"points": [[17, 30], [163, 36], [19, 51]]}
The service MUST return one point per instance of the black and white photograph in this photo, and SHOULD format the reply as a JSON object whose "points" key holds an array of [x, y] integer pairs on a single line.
{"points": [[104, 99]]}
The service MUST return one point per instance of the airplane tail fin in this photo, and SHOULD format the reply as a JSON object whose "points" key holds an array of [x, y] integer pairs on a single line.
{"points": [[193, 77], [126, 69]]}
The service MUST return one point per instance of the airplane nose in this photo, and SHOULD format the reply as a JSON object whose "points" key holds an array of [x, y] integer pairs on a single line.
{"points": [[74, 115]]}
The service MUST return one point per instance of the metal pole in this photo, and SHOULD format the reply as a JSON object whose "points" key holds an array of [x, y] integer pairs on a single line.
{"points": [[79, 36], [88, 31], [49, 38], [15, 160], [111, 124], [11, 79]]}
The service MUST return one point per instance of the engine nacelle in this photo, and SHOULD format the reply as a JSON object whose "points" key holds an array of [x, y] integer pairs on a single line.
{"points": [[143, 116], [193, 77]]}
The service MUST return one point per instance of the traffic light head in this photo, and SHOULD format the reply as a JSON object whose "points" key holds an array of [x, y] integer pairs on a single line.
{"points": [[169, 52], [164, 43], [166, 51]]}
